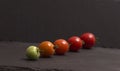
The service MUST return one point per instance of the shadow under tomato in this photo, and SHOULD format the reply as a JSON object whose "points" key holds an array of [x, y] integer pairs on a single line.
{"points": [[26, 59]]}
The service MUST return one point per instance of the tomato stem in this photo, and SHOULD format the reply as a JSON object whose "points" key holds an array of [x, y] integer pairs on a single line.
{"points": [[83, 42], [41, 51], [97, 40], [55, 46]]}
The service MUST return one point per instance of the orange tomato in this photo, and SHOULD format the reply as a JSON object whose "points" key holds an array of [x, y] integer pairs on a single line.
{"points": [[46, 49], [61, 46]]}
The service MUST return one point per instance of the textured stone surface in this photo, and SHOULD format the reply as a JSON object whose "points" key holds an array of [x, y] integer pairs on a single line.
{"points": [[12, 55]]}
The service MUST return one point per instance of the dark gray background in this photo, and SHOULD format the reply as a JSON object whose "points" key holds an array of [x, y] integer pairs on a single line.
{"points": [[38, 20]]}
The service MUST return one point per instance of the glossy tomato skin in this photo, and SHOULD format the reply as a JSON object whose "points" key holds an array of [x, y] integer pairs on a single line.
{"points": [[75, 43], [88, 39], [61, 46], [46, 49]]}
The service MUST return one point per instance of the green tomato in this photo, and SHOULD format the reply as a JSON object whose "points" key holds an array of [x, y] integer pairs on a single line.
{"points": [[32, 52]]}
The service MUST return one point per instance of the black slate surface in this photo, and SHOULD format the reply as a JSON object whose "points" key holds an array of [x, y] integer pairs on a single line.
{"points": [[12, 55]]}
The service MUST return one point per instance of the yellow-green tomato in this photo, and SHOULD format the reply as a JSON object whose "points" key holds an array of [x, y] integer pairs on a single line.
{"points": [[32, 52]]}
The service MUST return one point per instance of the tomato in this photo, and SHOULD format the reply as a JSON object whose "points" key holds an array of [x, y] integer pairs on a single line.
{"points": [[46, 49], [75, 43], [88, 39], [61, 46]]}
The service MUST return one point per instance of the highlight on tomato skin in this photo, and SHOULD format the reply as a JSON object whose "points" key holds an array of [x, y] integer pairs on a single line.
{"points": [[46, 49], [88, 39], [75, 43], [61, 47]]}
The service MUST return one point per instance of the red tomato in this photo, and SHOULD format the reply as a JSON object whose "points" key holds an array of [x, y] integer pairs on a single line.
{"points": [[61, 46], [75, 43], [88, 39]]}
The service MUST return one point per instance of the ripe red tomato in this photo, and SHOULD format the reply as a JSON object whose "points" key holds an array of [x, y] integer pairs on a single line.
{"points": [[88, 39], [61, 46], [75, 43]]}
